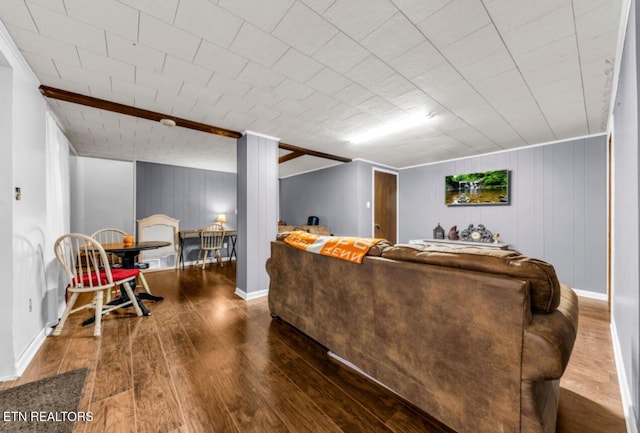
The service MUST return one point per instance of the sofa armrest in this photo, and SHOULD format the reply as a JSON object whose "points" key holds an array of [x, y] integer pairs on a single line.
{"points": [[549, 338]]}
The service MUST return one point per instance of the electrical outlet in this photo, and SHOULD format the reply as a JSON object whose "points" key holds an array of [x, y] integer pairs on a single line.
{"points": [[30, 305]]}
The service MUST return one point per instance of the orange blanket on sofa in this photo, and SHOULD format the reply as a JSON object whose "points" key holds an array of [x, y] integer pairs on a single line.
{"points": [[352, 249]]}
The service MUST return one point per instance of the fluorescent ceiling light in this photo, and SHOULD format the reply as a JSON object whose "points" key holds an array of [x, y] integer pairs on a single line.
{"points": [[391, 128]]}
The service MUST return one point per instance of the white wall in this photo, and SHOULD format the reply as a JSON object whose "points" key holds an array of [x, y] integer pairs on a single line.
{"points": [[24, 222], [102, 195]]}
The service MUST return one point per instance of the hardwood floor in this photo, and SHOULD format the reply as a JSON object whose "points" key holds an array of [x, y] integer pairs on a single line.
{"points": [[208, 361]]}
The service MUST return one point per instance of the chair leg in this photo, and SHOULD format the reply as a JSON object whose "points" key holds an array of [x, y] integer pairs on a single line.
{"points": [[143, 280], [132, 297], [99, 297], [65, 314], [204, 259], [219, 258]]}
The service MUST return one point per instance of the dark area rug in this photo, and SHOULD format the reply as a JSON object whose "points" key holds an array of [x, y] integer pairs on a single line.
{"points": [[46, 405]]}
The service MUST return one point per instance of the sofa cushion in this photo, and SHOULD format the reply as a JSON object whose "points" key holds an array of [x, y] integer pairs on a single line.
{"points": [[545, 287]]}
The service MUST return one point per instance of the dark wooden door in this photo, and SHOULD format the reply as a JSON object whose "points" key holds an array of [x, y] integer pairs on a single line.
{"points": [[385, 200]]}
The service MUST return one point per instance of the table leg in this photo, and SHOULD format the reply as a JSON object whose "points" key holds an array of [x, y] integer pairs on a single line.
{"points": [[233, 248]]}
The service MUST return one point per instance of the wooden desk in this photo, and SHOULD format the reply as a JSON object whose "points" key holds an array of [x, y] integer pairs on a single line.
{"points": [[232, 234]]}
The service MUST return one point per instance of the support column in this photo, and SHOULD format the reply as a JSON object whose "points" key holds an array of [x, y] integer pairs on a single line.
{"points": [[257, 211]]}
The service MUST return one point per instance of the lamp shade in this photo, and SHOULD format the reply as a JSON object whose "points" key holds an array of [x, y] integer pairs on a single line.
{"points": [[222, 218]]}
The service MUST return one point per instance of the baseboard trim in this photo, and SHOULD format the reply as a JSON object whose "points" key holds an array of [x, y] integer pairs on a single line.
{"points": [[591, 295], [251, 295], [625, 393], [27, 356]]}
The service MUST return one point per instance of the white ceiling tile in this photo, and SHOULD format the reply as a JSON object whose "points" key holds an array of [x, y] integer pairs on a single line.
{"points": [[205, 112], [353, 94], [328, 81], [130, 52], [320, 6], [259, 76], [487, 67], [454, 21], [507, 86], [107, 93], [541, 31], [598, 47], [297, 65], [585, 6], [236, 105], [420, 10], [54, 5], [256, 45], [597, 21], [381, 109], [457, 96], [263, 113], [436, 78], [293, 90], [65, 29], [341, 53], [180, 106], [218, 59], [347, 16], [262, 97], [208, 21], [130, 89], [265, 15], [510, 14], [228, 86], [474, 47], [199, 94], [182, 70], [413, 100], [74, 73], [393, 38], [370, 71], [111, 16], [164, 10], [106, 65], [289, 108], [40, 64], [157, 81], [164, 37], [35, 43], [319, 101], [304, 29], [423, 57], [392, 86], [15, 13]]}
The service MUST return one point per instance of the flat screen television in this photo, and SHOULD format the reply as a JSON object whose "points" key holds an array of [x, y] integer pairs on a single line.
{"points": [[485, 188]]}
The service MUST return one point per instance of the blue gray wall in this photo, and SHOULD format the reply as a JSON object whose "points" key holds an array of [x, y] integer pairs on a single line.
{"points": [[558, 207], [194, 196], [626, 244], [338, 195]]}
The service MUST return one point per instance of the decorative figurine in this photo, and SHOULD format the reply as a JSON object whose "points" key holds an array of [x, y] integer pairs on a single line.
{"points": [[438, 232], [496, 238], [453, 233]]}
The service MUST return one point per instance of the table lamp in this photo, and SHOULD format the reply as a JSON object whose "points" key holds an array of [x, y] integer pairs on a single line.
{"points": [[222, 218]]}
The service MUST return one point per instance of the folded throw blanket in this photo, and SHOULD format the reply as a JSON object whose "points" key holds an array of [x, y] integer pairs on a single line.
{"points": [[351, 249]]}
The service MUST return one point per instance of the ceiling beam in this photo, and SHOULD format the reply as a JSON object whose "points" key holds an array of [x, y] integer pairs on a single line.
{"points": [[289, 157], [310, 152], [102, 104]]}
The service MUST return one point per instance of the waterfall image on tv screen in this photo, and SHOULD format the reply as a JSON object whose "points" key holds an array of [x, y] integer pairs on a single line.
{"points": [[488, 187]]}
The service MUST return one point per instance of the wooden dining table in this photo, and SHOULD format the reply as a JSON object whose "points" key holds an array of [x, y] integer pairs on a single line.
{"points": [[128, 253]]}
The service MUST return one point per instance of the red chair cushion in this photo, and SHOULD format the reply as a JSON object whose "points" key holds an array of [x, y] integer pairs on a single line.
{"points": [[118, 274]]}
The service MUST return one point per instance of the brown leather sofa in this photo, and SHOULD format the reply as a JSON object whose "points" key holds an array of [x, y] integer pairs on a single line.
{"points": [[477, 338]]}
